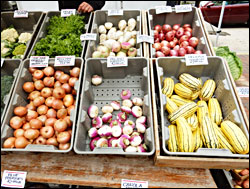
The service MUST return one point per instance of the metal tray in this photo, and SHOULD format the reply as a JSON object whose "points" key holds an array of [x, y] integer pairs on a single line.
{"points": [[30, 25], [101, 16], [191, 18], [43, 30], [19, 99], [173, 67], [135, 77], [10, 67]]}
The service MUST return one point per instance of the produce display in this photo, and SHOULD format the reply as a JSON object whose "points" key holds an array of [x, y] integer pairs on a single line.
{"points": [[6, 83], [174, 41], [196, 118], [13, 45], [242, 179], [46, 118], [113, 125], [120, 42], [63, 37]]}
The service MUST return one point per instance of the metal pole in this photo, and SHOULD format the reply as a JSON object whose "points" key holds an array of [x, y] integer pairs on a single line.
{"points": [[121, 4], [220, 21]]}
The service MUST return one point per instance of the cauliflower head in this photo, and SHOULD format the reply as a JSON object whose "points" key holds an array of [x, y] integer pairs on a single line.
{"points": [[24, 37], [5, 50], [9, 34]]}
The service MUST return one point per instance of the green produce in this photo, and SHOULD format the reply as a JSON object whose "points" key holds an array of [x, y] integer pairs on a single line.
{"points": [[233, 61], [6, 82], [63, 37], [19, 50]]}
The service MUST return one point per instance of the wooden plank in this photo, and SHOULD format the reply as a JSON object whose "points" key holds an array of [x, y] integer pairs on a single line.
{"points": [[102, 170]]}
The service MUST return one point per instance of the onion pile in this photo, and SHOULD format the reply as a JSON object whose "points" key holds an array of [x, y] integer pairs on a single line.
{"points": [[46, 118], [174, 41], [115, 127]]}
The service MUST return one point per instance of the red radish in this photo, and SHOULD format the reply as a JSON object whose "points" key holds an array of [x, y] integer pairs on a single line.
{"points": [[161, 36], [172, 44], [190, 50], [177, 47], [188, 33], [173, 53], [179, 32], [182, 52], [156, 34], [176, 27], [198, 52], [159, 54], [170, 36], [193, 41], [184, 44], [183, 38], [158, 28], [157, 46], [165, 50], [166, 28]]}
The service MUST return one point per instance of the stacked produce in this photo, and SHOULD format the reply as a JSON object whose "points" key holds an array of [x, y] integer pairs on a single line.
{"points": [[120, 42], [113, 126], [6, 83], [199, 124], [174, 41], [63, 37], [13, 45], [241, 178], [46, 118]]}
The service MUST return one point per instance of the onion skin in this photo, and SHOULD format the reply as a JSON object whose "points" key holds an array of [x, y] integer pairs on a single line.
{"points": [[9, 142], [38, 74], [32, 70], [75, 72], [64, 78], [40, 140], [60, 125], [26, 126], [31, 134], [39, 85], [72, 81], [59, 93], [31, 115], [52, 141], [20, 111], [34, 94], [68, 100], [28, 87], [57, 104], [49, 71], [36, 124], [42, 118], [72, 107], [49, 101], [51, 113], [66, 87], [21, 142], [50, 122], [19, 132], [62, 113], [63, 137], [38, 101], [49, 81], [47, 131], [46, 92], [16, 122], [58, 74], [64, 146], [42, 110], [30, 106], [69, 122]]}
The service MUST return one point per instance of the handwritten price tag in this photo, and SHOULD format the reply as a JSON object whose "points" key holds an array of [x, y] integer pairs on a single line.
{"points": [[145, 38], [115, 12], [65, 60], [2, 61], [13, 179], [117, 62], [21, 14], [39, 61], [134, 184], [67, 12], [88, 36], [163, 9], [243, 92], [196, 59], [183, 8]]}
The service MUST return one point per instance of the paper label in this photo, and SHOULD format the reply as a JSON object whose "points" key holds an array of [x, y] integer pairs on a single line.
{"points": [[21, 14], [196, 59], [243, 92], [183, 8], [39, 61], [134, 184], [64, 61], [117, 61], [145, 38], [2, 61], [115, 12], [163, 9], [88, 36], [67, 12], [13, 179]]}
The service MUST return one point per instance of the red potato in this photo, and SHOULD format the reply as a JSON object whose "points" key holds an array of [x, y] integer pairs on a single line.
{"points": [[245, 184]]}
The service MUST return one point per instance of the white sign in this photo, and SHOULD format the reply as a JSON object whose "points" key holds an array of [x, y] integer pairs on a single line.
{"points": [[20, 14], [134, 184], [64, 61], [88, 36], [2, 61], [67, 12], [115, 12], [145, 38], [39, 61], [183, 8], [243, 92], [13, 179], [117, 61], [196, 59], [163, 9]]}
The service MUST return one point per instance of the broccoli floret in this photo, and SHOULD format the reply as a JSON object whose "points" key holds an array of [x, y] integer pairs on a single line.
{"points": [[19, 50], [6, 82]]}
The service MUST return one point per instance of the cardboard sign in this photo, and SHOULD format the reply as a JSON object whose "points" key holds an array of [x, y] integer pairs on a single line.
{"points": [[163, 9], [67, 12], [39, 61], [134, 184], [117, 62], [21, 14], [88, 36], [13, 179], [145, 38], [196, 59], [243, 92], [115, 12], [64, 61], [183, 8]]}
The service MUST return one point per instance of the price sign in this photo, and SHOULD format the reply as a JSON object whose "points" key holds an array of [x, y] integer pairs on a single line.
{"points": [[67, 12], [134, 184], [88, 36], [117, 61], [39, 61], [163, 9], [145, 38], [183, 8], [243, 92], [2, 61], [20, 14], [115, 12], [13, 179], [196, 59], [64, 61]]}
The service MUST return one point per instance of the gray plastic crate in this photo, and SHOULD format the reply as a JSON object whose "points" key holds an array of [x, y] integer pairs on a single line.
{"points": [[134, 77], [216, 70], [19, 99], [101, 16], [10, 67], [191, 18], [43, 30]]}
